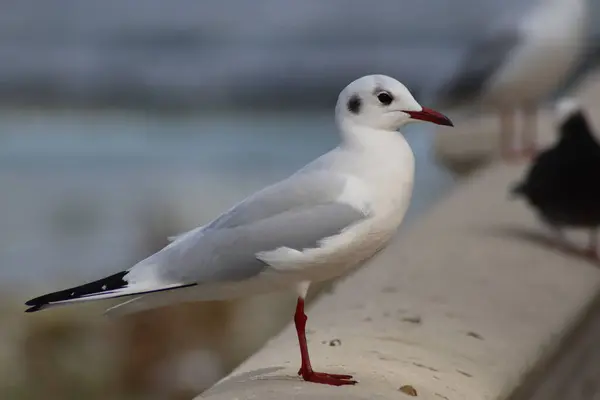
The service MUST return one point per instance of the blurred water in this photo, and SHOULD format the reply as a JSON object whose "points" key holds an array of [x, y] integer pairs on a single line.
{"points": [[188, 53], [82, 191], [79, 189]]}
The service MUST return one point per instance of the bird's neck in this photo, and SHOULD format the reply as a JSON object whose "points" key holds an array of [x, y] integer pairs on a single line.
{"points": [[362, 138], [383, 160]]}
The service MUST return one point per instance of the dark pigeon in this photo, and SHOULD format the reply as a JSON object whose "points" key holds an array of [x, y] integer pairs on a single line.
{"points": [[563, 183]]}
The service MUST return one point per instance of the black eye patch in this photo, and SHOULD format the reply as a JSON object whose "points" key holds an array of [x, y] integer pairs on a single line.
{"points": [[385, 98], [354, 104]]}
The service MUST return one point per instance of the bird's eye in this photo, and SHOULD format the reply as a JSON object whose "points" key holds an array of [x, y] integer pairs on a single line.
{"points": [[385, 98]]}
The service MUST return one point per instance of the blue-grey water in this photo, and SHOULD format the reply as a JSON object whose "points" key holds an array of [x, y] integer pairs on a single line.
{"points": [[79, 189], [185, 53]]}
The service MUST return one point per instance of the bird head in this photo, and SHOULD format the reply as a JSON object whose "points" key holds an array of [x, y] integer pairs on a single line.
{"points": [[381, 102]]}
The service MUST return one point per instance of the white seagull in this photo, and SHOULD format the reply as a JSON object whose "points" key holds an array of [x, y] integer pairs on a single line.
{"points": [[518, 63], [332, 215]]}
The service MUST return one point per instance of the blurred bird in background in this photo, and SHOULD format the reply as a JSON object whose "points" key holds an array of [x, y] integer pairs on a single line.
{"points": [[563, 182], [517, 64]]}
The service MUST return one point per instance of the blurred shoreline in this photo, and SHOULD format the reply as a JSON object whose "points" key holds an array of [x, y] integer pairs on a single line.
{"points": [[271, 55]]}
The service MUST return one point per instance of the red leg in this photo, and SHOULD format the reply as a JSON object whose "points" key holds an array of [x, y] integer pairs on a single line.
{"points": [[592, 250], [306, 370], [530, 145], [507, 131]]}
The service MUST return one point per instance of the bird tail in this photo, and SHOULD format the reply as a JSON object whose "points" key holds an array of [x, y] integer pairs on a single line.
{"points": [[112, 286], [517, 190]]}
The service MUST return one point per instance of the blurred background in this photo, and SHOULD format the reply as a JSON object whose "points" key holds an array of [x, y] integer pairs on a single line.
{"points": [[125, 121]]}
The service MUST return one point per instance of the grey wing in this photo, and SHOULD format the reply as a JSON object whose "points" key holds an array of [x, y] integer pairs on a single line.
{"points": [[480, 64], [299, 190], [296, 213], [230, 254]]}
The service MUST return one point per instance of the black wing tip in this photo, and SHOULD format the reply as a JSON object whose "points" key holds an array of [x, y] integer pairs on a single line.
{"points": [[517, 189], [35, 308], [111, 282], [37, 303], [31, 302], [37, 300]]}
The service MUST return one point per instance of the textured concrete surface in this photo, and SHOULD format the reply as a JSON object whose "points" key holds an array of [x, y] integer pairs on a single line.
{"points": [[461, 306], [574, 372]]}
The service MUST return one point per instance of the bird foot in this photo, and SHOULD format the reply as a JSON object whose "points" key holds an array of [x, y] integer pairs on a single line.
{"points": [[511, 156], [592, 254], [325, 378], [530, 152], [525, 154]]}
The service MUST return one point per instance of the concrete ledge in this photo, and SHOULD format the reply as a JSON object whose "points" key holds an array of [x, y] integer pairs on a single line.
{"points": [[571, 373], [463, 305]]}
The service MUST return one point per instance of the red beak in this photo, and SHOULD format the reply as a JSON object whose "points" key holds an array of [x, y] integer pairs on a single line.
{"points": [[429, 115]]}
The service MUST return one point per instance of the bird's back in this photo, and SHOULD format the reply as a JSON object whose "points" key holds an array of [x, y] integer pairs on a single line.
{"points": [[522, 57], [551, 45]]}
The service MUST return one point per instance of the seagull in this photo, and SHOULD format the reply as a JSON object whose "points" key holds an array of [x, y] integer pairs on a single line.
{"points": [[562, 183], [517, 64], [332, 215]]}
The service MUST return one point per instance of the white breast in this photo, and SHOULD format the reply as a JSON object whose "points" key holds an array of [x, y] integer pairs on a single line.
{"points": [[380, 182]]}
